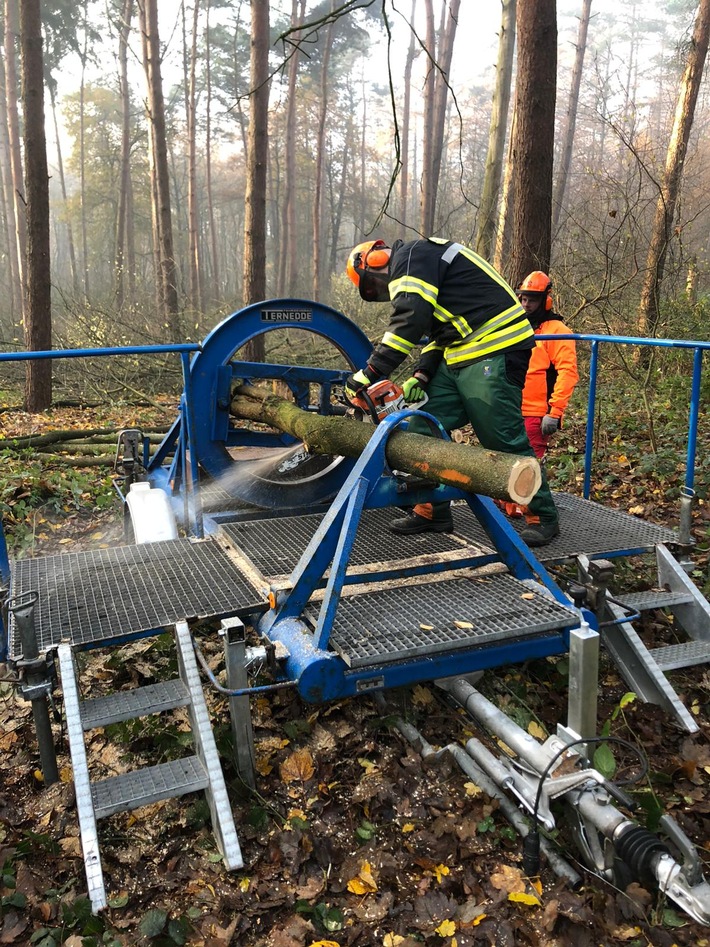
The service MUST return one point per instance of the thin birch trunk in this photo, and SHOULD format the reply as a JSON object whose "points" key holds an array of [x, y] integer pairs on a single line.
{"points": [[486, 223]]}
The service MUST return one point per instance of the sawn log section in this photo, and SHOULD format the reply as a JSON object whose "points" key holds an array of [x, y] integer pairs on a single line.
{"points": [[466, 466]]}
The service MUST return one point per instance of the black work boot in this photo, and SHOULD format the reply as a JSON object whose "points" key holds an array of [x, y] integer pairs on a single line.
{"points": [[432, 518], [540, 534]]}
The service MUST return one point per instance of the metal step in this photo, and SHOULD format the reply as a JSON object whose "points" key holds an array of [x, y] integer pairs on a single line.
{"points": [[684, 655], [654, 598], [141, 787], [129, 704]]}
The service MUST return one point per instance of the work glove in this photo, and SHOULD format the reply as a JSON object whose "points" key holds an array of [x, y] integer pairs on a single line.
{"points": [[413, 390], [549, 425], [355, 383]]}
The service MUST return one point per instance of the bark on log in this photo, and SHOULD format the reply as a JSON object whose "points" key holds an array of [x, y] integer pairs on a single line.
{"points": [[466, 466]]}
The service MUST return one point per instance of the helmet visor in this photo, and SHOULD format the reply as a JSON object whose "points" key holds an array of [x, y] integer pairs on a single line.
{"points": [[374, 286]]}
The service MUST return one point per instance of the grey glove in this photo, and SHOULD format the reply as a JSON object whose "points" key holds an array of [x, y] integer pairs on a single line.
{"points": [[549, 425]]}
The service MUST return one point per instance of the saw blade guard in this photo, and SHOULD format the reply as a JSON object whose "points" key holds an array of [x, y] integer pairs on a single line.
{"points": [[267, 468]]}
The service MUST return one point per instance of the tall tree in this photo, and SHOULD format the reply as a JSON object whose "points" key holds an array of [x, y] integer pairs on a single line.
{"points": [[663, 229], [288, 257], [406, 122], [533, 143], [439, 48], [193, 213], [14, 299], [14, 136], [571, 119], [38, 311], [82, 150], [161, 175], [125, 256], [254, 270], [71, 250], [486, 218], [320, 160], [215, 292]]}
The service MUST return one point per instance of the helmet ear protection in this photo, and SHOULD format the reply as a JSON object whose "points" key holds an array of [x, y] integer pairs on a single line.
{"points": [[378, 256]]}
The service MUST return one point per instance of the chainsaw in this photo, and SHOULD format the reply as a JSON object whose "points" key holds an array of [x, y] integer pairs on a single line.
{"points": [[381, 399]]}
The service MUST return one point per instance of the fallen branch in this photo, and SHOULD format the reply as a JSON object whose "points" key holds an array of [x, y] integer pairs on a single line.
{"points": [[466, 466]]}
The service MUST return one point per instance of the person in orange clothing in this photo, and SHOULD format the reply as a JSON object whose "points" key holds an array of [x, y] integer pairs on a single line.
{"points": [[552, 372]]}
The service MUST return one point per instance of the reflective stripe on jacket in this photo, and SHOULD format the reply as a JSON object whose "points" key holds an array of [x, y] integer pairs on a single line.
{"points": [[446, 292], [552, 373]]}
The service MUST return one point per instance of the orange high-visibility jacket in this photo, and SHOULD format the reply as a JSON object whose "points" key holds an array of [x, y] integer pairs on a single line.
{"points": [[552, 373]]}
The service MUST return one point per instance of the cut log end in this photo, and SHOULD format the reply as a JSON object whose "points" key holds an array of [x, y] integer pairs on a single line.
{"points": [[525, 480]]}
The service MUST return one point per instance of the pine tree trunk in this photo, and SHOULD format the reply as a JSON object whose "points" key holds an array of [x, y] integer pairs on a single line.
{"points": [[254, 272], [571, 123], [38, 316], [156, 105], [468, 467], [535, 95]]}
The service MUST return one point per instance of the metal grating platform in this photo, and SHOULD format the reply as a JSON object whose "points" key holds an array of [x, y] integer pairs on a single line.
{"points": [[275, 544], [100, 595], [400, 623], [586, 528]]}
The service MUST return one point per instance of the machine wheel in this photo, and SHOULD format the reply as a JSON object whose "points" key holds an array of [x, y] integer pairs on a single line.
{"points": [[264, 468]]}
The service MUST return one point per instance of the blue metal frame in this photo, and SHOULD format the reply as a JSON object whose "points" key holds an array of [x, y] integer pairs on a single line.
{"points": [[321, 674]]}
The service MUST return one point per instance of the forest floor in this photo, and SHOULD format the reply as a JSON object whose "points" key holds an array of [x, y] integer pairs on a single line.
{"points": [[350, 838]]}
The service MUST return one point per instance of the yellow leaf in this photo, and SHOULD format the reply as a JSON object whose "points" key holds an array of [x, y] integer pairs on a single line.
{"points": [[244, 884], [440, 871], [477, 920], [324, 943], [523, 898], [38, 775], [445, 929], [392, 940], [537, 885], [472, 789], [535, 730], [422, 696], [426, 628], [363, 882], [298, 767], [407, 827], [367, 765], [463, 624]]}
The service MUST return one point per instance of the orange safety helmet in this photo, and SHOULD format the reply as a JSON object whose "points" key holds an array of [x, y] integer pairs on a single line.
{"points": [[537, 283], [365, 258]]}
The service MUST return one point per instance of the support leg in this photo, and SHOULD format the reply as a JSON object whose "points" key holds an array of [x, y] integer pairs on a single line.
{"points": [[239, 709]]}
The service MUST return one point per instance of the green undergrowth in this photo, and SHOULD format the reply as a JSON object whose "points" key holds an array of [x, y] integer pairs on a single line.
{"points": [[37, 500]]}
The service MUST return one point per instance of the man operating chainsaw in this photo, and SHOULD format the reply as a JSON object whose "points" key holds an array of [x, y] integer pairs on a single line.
{"points": [[473, 363]]}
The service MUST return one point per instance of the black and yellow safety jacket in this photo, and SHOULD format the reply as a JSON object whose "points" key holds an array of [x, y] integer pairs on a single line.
{"points": [[445, 292]]}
